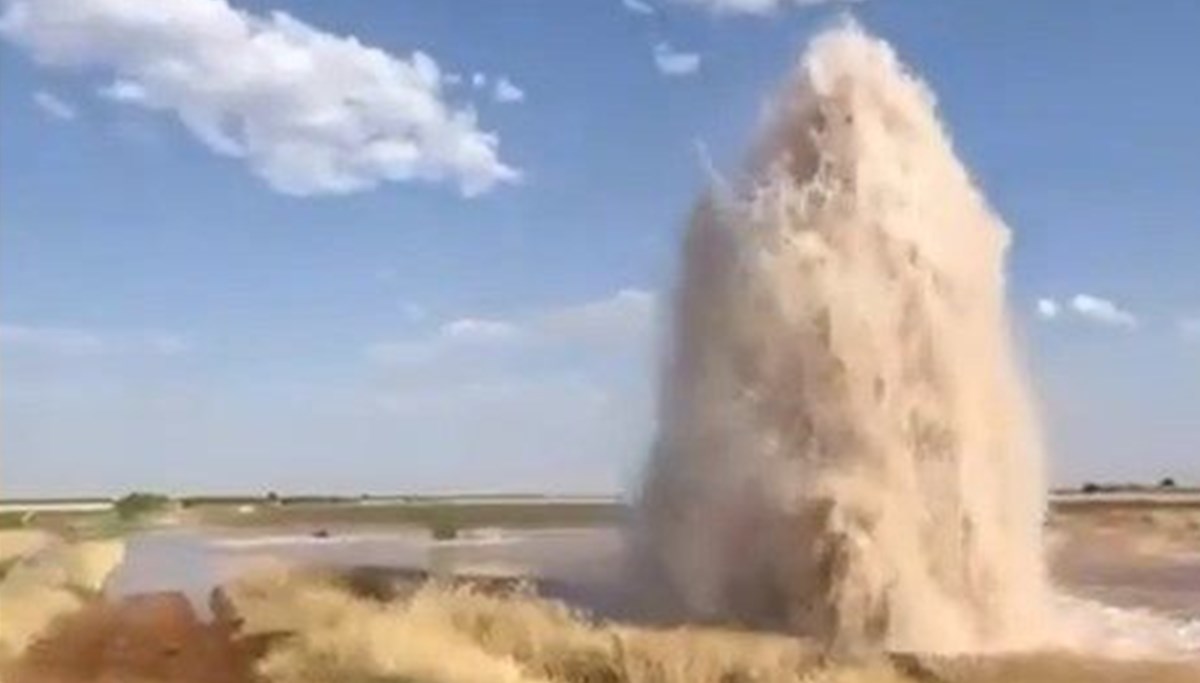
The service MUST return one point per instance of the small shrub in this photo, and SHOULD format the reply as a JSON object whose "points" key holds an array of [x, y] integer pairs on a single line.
{"points": [[443, 529], [12, 520], [138, 505], [1167, 483], [444, 522], [1089, 487]]}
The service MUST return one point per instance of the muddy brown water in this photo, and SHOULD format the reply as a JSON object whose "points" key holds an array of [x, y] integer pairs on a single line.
{"points": [[161, 621], [1102, 568]]}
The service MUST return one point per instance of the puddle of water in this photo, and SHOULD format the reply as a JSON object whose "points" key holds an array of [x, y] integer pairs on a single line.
{"points": [[195, 562], [584, 566]]}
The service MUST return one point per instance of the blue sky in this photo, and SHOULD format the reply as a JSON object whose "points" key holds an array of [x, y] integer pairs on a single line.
{"points": [[213, 279]]}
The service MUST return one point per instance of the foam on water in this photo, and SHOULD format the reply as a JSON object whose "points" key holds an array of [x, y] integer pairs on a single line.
{"points": [[1121, 633]]}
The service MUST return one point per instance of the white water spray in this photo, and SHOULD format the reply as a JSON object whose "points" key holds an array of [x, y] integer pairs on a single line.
{"points": [[847, 448]]}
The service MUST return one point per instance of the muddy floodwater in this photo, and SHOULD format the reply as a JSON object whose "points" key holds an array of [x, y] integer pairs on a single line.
{"points": [[259, 600], [196, 561], [1128, 558]]}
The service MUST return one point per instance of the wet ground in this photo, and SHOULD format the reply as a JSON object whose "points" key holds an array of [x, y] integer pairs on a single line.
{"points": [[1135, 556], [163, 620], [1129, 562], [195, 562]]}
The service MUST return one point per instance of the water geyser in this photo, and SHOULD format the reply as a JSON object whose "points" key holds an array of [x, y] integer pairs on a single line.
{"points": [[847, 447]]}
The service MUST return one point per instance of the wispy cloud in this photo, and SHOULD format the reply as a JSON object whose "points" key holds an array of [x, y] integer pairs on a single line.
{"points": [[74, 341], [638, 6], [121, 90], [64, 340], [759, 7], [506, 91], [54, 106], [1090, 308], [554, 380], [308, 111], [453, 337], [1188, 327], [413, 312], [1102, 311], [167, 344], [627, 316], [617, 322], [480, 330], [1047, 309], [673, 62]]}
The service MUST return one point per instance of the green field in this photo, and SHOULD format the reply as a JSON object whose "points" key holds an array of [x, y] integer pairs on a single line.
{"points": [[445, 516]]}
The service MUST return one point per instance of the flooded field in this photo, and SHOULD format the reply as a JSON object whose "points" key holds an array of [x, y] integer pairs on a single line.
{"points": [[1133, 553], [1129, 575], [197, 561], [1128, 557]]}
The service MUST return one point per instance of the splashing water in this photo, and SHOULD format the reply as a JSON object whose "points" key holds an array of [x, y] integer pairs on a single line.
{"points": [[847, 448]]}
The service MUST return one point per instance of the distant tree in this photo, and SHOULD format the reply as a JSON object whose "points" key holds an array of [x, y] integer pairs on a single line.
{"points": [[1166, 483], [1090, 487], [137, 505], [272, 498], [443, 523], [443, 530]]}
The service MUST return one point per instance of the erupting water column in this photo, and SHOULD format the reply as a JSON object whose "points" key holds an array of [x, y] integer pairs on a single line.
{"points": [[847, 448]]}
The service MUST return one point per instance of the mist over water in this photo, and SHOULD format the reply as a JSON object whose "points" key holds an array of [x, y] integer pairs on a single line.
{"points": [[847, 448]]}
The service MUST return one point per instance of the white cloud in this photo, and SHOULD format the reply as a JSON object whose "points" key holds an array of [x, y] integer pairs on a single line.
{"points": [[308, 111], [638, 6], [71, 341], [64, 340], [54, 106], [121, 90], [507, 91], [571, 385], [628, 315], [478, 80], [451, 339], [672, 62], [1047, 309], [616, 323], [1102, 311], [759, 7], [480, 330]]}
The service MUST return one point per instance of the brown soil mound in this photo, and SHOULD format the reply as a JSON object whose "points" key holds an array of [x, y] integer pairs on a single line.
{"points": [[155, 637], [494, 623]]}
